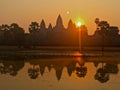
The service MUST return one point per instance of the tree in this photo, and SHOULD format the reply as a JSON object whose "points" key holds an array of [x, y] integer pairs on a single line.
{"points": [[102, 30], [102, 26], [1, 35], [102, 74], [33, 27], [81, 71], [6, 34], [5, 27], [34, 33], [12, 35], [33, 72], [11, 67], [112, 67], [18, 34], [97, 21]]}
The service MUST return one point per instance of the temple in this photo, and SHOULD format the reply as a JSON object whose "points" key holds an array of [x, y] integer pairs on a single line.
{"points": [[105, 35]]}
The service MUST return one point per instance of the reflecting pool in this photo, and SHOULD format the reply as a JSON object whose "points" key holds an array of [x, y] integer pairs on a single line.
{"points": [[60, 73]]}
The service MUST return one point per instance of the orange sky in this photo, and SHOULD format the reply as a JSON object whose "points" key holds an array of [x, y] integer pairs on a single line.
{"points": [[24, 12]]}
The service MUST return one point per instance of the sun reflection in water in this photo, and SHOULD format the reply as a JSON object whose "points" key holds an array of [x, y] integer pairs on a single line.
{"points": [[78, 54]]}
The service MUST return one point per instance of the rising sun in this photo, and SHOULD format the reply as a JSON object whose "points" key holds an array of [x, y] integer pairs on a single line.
{"points": [[78, 24]]}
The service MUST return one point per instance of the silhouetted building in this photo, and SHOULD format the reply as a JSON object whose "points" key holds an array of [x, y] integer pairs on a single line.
{"points": [[59, 24], [40, 35], [42, 25], [50, 27]]}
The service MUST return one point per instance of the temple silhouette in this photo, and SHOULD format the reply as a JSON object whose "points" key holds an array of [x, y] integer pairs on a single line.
{"points": [[40, 35]]}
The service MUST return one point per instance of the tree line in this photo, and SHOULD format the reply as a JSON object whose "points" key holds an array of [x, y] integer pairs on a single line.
{"points": [[11, 34]]}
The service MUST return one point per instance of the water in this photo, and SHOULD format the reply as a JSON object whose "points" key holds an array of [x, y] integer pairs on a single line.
{"points": [[61, 73]]}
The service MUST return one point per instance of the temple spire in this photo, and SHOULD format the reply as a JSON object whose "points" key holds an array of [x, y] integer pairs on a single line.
{"points": [[42, 25], [59, 22], [50, 27]]}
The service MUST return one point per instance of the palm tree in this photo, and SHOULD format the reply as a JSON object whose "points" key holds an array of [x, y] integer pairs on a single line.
{"points": [[33, 27]]}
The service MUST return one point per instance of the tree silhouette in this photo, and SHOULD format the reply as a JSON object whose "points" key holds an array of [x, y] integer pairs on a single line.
{"points": [[113, 31], [5, 27], [112, 67], [102, 30], [97, 21], [102, 75], [11, 67], [1, 35], [6, 35], [33, 27], [103, 25], [12, 35], [18, 33], [33, 72], [34, 35], [81, 71]]}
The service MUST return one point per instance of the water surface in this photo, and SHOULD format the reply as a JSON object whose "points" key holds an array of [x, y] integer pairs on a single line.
{"points": [[61, 73]]}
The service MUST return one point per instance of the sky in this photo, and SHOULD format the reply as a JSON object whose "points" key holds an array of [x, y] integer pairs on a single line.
{"points": [[24, 12]]}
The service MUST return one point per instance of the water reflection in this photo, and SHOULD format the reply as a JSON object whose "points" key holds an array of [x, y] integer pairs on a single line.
{"points": [[77, 65], [11, 67], [103, 73], [81, 70], [33, 72]]}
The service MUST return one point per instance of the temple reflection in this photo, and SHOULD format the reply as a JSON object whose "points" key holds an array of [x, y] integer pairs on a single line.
{"points": [[76, 65], [71, 67]]}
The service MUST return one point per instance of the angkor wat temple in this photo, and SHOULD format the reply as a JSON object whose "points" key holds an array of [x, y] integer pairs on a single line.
{"points": [[58, 35]]}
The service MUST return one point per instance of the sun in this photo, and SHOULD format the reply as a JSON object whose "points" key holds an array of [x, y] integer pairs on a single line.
{"points": [[78, 24], [79, 21]]}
